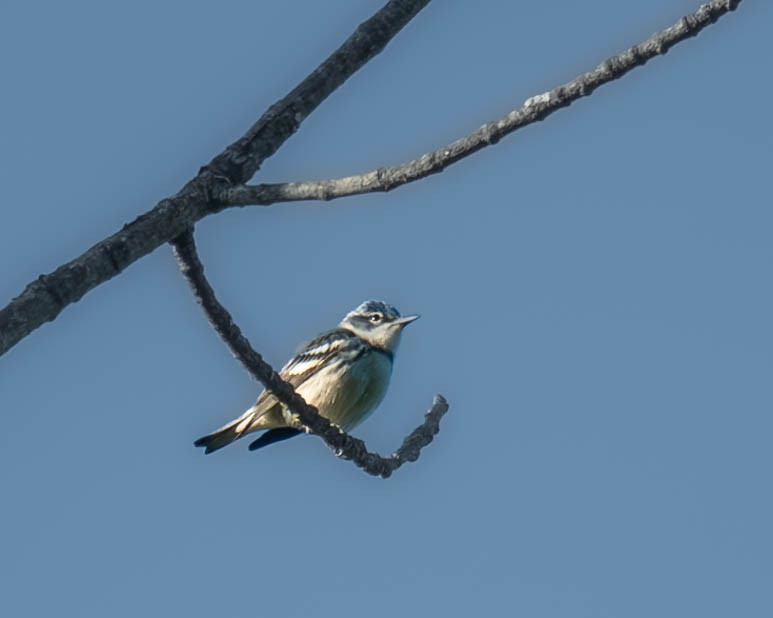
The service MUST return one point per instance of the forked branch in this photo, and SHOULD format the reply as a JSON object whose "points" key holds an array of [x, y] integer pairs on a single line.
{"points": [[220, 184], [45, 297]]}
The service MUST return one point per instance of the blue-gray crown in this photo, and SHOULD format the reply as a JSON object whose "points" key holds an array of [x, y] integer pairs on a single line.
{"points": [[370, 307], [378, 324]]}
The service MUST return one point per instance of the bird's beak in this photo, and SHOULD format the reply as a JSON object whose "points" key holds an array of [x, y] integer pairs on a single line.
{"points": [[404, 321]]}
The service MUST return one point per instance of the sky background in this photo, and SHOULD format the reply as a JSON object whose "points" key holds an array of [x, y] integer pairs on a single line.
{"points": [[595, 290]]}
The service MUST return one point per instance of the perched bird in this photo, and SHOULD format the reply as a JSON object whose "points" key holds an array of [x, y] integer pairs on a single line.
{"points": [[344, 373]]}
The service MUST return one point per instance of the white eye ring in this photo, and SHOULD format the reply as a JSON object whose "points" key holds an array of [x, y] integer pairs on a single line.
{"points": [[376, 317]]}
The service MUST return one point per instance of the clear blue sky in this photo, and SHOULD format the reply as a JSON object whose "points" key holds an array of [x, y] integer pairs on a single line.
{"points": [[595, 290]]}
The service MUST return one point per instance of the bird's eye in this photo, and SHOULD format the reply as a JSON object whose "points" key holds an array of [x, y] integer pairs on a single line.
{"points": [[376, 318]]}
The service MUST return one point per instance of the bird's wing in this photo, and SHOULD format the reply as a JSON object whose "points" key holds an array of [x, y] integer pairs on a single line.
{"points": [[312, 357]]}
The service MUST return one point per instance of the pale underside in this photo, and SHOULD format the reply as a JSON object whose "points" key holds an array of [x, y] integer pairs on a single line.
{"points": [[346, 397]]}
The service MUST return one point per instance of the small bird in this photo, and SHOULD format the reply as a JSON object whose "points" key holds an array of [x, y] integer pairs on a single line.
{"points": [[344, 373]]}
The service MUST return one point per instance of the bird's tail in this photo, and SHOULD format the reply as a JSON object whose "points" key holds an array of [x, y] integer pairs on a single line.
{"points": [[227, 434], [274, 435]]}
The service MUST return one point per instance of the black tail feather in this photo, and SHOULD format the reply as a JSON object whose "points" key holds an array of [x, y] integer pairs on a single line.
{"points": [[219, 439], [274, 435], [205, 441]]}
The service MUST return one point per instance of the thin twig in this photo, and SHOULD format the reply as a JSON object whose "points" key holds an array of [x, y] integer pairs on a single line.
{"points": [[534, 109], [344, 445]]}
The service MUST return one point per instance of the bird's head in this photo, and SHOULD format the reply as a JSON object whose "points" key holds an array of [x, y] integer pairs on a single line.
{"points": [[377, 323]]}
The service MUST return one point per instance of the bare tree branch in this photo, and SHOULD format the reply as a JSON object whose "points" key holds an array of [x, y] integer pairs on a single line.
{"points": [[344, 445], [43, 299], [534, 109], [243, 158]]}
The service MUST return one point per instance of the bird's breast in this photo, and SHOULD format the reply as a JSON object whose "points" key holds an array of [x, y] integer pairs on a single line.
{"points": [[348, 393]]}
